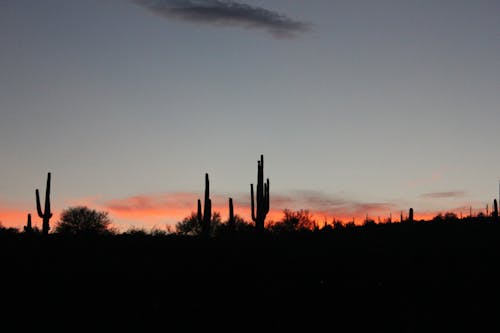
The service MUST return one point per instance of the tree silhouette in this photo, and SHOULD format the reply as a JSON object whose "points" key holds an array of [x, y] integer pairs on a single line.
{"points": [[450, 217], [192, 226], [83, 220]]}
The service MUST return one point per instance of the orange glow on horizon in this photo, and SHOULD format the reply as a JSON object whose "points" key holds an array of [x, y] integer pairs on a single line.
{"points": [[165, 210], [17, 218]]}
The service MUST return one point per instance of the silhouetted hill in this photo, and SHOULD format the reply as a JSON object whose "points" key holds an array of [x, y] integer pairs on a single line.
{"points": [[419, 277]]}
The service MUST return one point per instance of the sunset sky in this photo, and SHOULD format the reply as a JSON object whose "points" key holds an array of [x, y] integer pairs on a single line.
{"points": [[359, 107]]}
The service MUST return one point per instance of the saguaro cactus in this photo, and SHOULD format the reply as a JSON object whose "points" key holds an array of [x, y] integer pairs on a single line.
{"points": [[231, 221], [495, 209], [46, 214], [410, 215], [28, 228], [204, 219], [262, 197]]}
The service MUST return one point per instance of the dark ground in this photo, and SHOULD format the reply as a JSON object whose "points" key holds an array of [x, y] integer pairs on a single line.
{"points": [[421, 277]]}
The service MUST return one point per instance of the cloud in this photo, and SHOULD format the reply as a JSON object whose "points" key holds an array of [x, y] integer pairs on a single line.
{"points": [[443, 195], [227, 13], [325, 205]]}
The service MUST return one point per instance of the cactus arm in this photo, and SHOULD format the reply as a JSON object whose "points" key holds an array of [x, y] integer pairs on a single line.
{"points": [[266, 195], [47, 211], [252, 204], [38, 206]]}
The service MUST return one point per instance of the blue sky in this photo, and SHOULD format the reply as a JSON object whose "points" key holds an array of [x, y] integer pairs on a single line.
{"points": [[382, 105]]}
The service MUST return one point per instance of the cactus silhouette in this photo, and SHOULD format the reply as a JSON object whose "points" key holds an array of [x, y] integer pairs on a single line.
{"points": [[204, 219], [230, 221], [262, 197], [410, 215], [46, 214], [495, 208], [28, 228]]}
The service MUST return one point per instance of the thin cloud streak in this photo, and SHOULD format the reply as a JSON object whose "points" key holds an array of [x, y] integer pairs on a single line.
{"points": [[443, 195], [227, 13]]}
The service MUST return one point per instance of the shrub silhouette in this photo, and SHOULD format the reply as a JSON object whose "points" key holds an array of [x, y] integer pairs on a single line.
{"points": [[236, 225], [300, 220], [83, 220]]}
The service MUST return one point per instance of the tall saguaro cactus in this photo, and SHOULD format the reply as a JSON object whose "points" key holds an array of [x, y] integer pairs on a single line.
{"points": [[46, 214], [262, 197], [495, 209], [231, 221], [410, 215], [204, 219]]}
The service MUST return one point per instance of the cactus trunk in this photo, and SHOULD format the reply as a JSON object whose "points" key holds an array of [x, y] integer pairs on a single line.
{"points": [[410, 215], [28, 228], [46, 214]]}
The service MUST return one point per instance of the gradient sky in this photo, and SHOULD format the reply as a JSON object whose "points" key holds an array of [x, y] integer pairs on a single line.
{"points": [[359, 107]]}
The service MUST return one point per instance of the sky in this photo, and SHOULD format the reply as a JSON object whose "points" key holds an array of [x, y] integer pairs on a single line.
{"points": [[359, 107]]}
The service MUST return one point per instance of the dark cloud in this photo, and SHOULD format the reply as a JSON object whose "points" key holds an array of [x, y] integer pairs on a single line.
{"points": [[227, 13], [443, 195]]}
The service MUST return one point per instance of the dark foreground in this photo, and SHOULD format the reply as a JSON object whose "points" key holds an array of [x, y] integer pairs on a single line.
{"points": [[391, 278]]}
